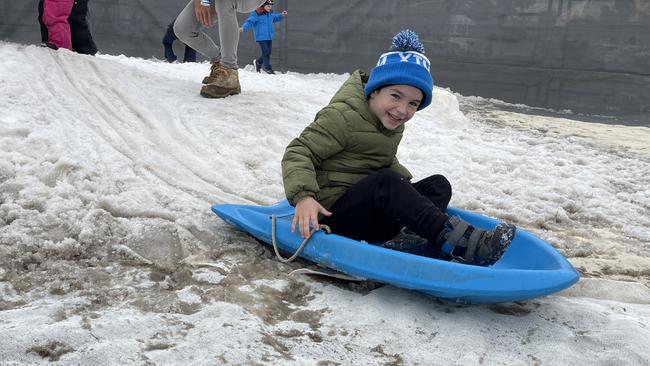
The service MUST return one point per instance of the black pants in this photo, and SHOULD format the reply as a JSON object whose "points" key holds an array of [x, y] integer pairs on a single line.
{"points": [[265, 58], [168, 44], [44, 37], [377, 207], [82, 40]]}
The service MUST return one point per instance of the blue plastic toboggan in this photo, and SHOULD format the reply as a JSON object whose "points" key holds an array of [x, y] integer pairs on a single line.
{"points": [[529, 268]]}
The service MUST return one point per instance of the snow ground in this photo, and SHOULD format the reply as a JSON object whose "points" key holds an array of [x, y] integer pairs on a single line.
{"points": [[109, 253]]}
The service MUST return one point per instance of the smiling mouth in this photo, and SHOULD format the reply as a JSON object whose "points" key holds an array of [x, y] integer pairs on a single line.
{"points": [[393, 118]]}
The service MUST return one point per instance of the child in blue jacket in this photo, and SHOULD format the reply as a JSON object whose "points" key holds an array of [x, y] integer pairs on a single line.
{"points": [[262, 19]]}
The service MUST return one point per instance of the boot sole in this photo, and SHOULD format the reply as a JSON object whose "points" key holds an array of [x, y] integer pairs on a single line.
{"points": [[213, 96]]}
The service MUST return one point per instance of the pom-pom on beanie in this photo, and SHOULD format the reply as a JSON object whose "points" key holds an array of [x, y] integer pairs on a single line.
{"points": [[404, 64]]}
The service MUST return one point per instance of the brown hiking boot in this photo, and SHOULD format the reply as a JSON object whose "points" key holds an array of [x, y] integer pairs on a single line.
{"points": [[225, 82], [213, 73]]}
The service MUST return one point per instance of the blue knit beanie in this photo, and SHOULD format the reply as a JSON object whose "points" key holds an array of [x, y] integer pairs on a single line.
{"points": [[405, 64]]}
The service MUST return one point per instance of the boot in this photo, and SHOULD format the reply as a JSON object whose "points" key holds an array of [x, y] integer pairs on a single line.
{"points": [[409, 242], [213, 73], [49, 45], [464, 243], [225, 82]]}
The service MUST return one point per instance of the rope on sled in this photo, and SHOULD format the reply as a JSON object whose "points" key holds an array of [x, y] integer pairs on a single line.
{"points": [[302, 246]]}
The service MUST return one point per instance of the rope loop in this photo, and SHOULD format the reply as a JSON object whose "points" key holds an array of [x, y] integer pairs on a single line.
{"points": [[302, 245]]}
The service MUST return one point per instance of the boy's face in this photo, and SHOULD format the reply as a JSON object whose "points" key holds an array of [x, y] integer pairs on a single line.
{"points": [[268, 7], [394, 105]]}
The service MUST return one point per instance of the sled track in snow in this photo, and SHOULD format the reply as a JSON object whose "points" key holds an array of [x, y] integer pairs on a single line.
{"points": [[123, 123]]}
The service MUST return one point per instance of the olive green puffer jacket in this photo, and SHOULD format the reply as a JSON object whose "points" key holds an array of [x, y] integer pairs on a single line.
{"points": [[345, 143]]}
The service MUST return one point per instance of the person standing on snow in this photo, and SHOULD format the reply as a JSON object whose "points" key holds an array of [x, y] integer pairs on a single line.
{"points": [[190, 29], [168, 45], [262, 20], [63, 25]]}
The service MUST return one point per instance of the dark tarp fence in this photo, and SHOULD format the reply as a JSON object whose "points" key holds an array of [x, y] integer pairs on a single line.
{"points": [[590, 56]]}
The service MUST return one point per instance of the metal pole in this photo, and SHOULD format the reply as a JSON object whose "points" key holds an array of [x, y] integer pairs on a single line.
{"points": [[283, 38]]}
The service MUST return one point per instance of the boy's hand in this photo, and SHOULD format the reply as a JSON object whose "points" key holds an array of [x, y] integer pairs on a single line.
{"points": [[284, 13], [204, 14], [307, 210], [241, 29]]}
